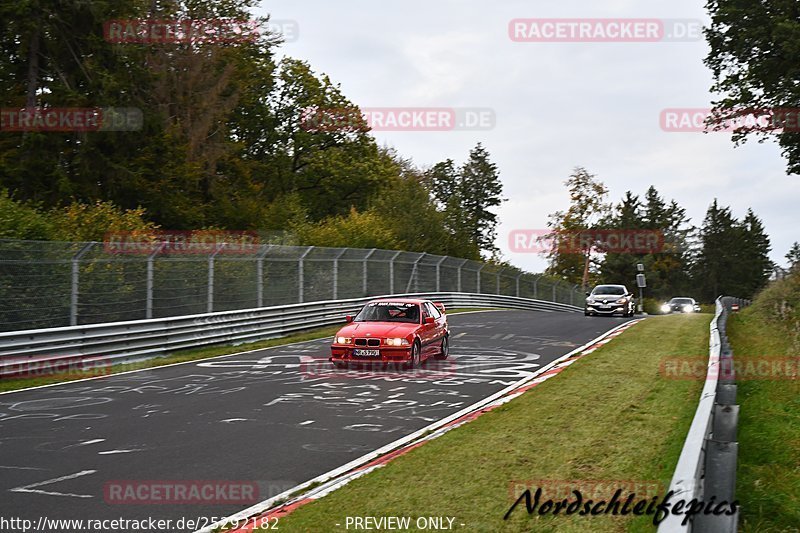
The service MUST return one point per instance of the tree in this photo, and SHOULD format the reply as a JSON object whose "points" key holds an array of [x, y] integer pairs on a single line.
{"points": [[754, 266], [794, 256], [466, 197], [733, 256], [480, 190], [588, 206], [755, 61]]}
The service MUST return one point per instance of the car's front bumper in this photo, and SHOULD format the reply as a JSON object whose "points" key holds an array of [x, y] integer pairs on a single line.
{"points": [[344, 354], [606, 309]]}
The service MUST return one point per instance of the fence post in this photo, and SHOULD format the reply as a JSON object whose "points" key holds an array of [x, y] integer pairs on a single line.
{"points": [[336, 273], [535, 287], [148, 312], [413, 276], [364, 285], [464, 262], [391, 272], [478, 276], [554, 291], [76, 267], [517, 283], [497, 281], [260, 274], [438, 274], [210, 297], [300, 273]]}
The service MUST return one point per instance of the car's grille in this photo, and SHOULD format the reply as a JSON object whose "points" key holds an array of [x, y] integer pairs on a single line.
{"points": [[368, 342]]}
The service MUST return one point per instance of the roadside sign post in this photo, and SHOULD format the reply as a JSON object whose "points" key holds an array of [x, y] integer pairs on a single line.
{"points": [[641, 282]]}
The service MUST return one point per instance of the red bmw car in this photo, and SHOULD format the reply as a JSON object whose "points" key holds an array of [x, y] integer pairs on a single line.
{"points": [[398, 330]]}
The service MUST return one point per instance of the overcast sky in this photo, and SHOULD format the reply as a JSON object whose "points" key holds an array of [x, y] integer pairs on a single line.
{"points": [[557, 105]]}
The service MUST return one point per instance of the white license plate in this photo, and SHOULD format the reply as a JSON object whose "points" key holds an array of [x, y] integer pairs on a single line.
{"points": [[366, 353]]}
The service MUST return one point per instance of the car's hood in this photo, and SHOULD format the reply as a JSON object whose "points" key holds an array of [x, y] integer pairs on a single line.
{"points": [[377, 329]]}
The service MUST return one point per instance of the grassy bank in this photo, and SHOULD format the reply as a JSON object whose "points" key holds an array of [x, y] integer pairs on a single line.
{"points": [[609, 417], [768, 476], [194, 354]]}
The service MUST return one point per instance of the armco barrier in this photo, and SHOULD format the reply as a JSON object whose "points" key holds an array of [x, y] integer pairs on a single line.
{"points": [[124, 341], [706, 468]]}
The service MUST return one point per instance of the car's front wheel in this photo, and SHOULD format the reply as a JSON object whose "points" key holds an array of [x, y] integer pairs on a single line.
{"points": [[414, 360], [444, 351]]}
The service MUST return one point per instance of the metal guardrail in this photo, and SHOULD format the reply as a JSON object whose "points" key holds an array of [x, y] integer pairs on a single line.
{"points": [[125, 341], [707, 465]]}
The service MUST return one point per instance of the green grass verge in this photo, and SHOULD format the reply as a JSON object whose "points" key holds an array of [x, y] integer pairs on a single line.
{"points": [[183, 356], [610, 416], [768, 475]]}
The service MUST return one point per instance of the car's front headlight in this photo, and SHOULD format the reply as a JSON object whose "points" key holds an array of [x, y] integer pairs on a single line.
{"points": [[590, 300], [622, 301], [344, 340], [396, 342], [688, 308], [665, 308]]}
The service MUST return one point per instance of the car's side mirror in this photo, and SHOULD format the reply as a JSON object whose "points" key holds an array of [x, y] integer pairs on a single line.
{"points": [[348, 318], [429, 320], [587, 293]]}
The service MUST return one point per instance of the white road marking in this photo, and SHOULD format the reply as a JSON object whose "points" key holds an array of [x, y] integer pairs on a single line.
{"points": [[111, 452], [508, 336], [459, 335], [307, 422], [31, 488], [229, 420], [21, 467], [86, 443]]}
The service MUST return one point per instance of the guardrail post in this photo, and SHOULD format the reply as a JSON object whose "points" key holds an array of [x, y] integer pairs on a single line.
{"points": [[391, 272], [260, 274], [364, 273], [726, 418], [336, 273], [300, 274], [517, 283], [210, 297], [438, 274], [479, 279], [719, 483], [148, 312], [76, 267]]}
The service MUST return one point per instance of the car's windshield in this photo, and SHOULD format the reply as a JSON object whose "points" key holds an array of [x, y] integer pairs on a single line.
{"points": [[389, 312], [681, 301], [613, 290]]}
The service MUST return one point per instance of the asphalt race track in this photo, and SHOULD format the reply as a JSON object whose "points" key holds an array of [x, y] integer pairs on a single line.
{"points": [[268, 420]]}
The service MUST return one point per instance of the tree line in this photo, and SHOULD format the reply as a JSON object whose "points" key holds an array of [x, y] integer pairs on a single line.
{"points": [[223, 143], [724, 255]]}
